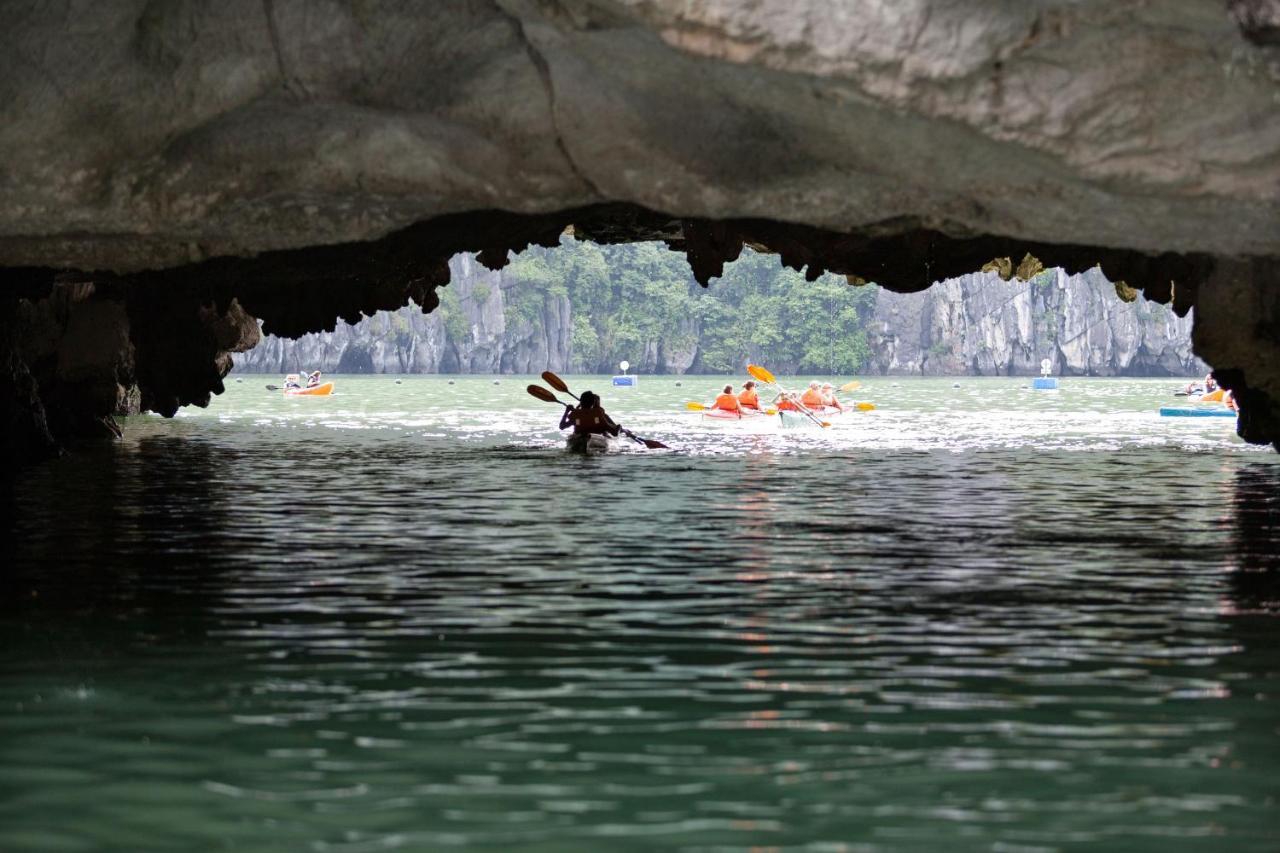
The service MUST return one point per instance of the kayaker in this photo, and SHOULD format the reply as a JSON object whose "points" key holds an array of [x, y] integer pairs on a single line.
{"points": [[313, 379], [812, 396], [291, 381], [727, 402], [1210, 384], [588, 417], [1229, 399], [786, 401], [829, 397], [749, 399]]}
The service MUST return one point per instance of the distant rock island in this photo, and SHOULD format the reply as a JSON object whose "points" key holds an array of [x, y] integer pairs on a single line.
{"points": [[582, 308]]}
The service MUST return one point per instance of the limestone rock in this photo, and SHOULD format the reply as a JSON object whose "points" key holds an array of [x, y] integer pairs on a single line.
{"points": [[983, 325], [146, 134]]}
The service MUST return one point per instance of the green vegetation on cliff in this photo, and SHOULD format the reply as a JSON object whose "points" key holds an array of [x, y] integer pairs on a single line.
{"points": [[639, 302]]}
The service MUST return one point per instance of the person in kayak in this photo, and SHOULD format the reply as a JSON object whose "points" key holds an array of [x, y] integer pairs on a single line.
{"points": [[829, 397], [727, 402], [812, 397], [786, 401], [749, 399], [588, 417], [313, 379]]}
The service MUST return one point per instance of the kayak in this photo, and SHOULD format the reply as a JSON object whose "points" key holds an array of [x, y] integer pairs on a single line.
{"points": [[322, 390], [1217, 396], [733, 417], [591, 444], [1184, 412], [788, 419]]}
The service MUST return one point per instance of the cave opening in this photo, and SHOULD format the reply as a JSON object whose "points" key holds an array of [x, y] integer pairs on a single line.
{"points": [[981, 608]]}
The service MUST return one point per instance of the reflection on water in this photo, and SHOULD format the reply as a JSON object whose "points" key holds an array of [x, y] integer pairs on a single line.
{"points": [[376, 632]]}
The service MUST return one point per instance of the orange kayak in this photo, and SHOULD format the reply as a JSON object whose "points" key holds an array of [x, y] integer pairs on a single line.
{"points": [[322, 390]]}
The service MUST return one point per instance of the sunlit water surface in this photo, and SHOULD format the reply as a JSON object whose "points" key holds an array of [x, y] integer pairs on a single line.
{"points": [[978, 618]]}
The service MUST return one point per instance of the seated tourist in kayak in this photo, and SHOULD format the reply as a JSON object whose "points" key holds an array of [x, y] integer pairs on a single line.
{"points": [[588, 417], [749, 400], [727, 402], [812, 397], [291, 381], [313, 379], [786, 402], [829, 397]]}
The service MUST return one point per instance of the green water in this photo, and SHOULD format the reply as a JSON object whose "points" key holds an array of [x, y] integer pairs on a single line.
{"points": [[976, 618]]}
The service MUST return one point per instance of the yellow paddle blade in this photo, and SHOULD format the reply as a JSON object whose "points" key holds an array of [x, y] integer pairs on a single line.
{"points": [[824, 424], [554, 381], [771, 411], [866, 407], [850, 386], [695, 407], [760, 373]]}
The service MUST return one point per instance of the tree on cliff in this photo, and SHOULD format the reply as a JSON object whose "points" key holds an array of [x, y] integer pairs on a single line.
{"points": [[633, 300]]}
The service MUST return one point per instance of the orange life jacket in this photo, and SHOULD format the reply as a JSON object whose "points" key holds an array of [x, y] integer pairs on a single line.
{"points": [[787, 406], [728, 402], [812, 398], [749, 400]]}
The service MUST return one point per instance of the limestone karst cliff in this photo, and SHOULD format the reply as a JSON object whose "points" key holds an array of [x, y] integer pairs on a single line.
{"points": [[976, 325]]}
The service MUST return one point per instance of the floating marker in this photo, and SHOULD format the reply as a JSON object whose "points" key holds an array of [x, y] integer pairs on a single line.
{"points": [[624, 381]]}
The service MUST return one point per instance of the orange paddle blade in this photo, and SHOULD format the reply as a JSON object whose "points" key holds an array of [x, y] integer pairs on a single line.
{"points": [[760, 373], [866, 407], [554, 381], [542, 394]]}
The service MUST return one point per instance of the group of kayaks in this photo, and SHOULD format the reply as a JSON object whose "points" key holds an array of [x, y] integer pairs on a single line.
{"points": [[790, 410], [787, 419]]}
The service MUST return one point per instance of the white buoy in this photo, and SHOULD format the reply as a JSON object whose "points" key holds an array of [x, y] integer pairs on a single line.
{"points": [[496, 382], [955, 384], [450, 381], [398, 381], [239, 380], [678, 383]]}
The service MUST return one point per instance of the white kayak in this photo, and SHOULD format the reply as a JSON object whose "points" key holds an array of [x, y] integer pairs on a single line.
{"points": [[592, 444], [788, 419]]}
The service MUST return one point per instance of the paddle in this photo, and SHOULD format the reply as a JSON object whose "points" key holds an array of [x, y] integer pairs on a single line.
{"points": [[559, 384], [273, 387], [545, 395], [850, 386], [768, 378]]}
